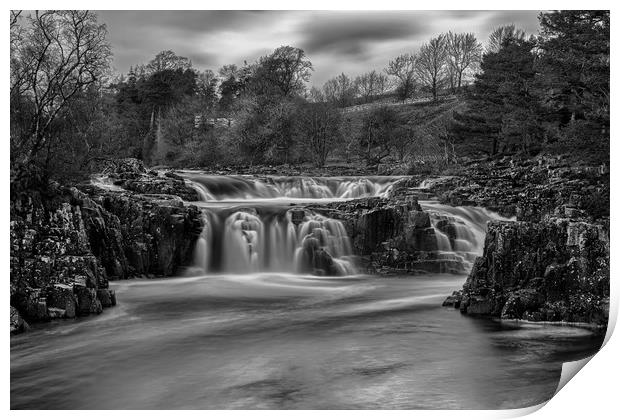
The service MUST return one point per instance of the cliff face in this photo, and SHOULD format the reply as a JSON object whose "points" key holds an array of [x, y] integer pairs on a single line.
{"points": [[553, 270], [67, 242]]}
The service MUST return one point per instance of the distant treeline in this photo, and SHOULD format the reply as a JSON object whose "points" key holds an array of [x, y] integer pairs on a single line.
{"points": [[516, 94]]}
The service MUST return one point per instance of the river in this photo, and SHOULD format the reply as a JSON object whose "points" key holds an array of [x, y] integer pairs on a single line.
{"points": [[251, 327], [278, 341]]}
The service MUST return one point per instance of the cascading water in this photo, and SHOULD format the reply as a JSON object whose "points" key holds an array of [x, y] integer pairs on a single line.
{"points": [[246, 242], [459, 231], [219, 188], [260, 225]]}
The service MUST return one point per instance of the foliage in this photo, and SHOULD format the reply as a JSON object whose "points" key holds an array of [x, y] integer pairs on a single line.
{"points": [[529, 95], [57, 58]]}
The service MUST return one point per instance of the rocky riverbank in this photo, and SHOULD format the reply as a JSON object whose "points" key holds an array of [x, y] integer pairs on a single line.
{"points": [[67, 242], [551, 265]]}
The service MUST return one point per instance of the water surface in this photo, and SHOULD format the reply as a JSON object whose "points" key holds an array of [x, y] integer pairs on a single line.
{"points": [[283, 341]]}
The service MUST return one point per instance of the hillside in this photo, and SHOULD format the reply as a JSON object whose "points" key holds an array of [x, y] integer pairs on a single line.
{"points": [[423, 141]]}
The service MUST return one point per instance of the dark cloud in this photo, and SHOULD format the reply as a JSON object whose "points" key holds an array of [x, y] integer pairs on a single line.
{"points": [[524, 19], [351, 33], [336, 41]]}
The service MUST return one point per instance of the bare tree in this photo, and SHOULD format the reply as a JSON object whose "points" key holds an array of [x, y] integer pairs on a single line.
{"points": [[59, 55], [370, 85], [403, 68], [464, 52], [432, 65], [340, 90], [319, 126], [503, 33]]}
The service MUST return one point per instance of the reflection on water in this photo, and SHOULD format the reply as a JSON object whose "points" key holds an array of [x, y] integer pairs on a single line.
{"points": [[282, 341]]}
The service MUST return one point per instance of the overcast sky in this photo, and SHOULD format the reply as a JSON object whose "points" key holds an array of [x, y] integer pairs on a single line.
{"points": [[335, 41]]}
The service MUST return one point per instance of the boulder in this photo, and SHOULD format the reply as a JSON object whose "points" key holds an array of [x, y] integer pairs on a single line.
{"points": [[18, 324], [61, 296], [87, 301]]}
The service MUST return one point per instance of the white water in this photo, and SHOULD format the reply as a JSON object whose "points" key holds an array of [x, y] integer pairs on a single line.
{"points": [[249, 227], [230, 187], [460, 231], [291, 341], [244, 241]]}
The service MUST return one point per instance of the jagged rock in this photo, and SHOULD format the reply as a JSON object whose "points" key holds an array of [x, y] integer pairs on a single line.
{"points": [[66, 242], [18, 324], [124, 166], [556, 269], [392, 235], [87, 302], [55, 313], [61, 296], [529, 189], [106, 297]]}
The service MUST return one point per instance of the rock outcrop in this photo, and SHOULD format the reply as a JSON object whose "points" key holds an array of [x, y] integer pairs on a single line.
{"points": [[552, 270], [131, 175], [552, 265], [392, 235], [529, 188], [67, 242]]}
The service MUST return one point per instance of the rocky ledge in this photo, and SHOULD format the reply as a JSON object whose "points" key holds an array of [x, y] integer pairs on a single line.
{"points": [[131, 175], [66, 243], [551, 265], [393, 235], [529, 189], [553, 270]]}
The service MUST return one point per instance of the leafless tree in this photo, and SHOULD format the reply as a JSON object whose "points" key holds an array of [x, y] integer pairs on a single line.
{"points": [[501, 34], [371, 84], [58, 56], [403, 68], [340, 90], [319, 125], [432, 64], [464, 52]]}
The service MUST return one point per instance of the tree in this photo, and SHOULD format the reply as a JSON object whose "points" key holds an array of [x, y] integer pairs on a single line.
{"points": [[319, 128], [464, 52], [168, 60], [501, 34], [403, 68], [381, 129], [56, 57], [574, 73], [206, 89], [286, 69], [431, 66], [503, 110], [340, 90], [370, 85]]}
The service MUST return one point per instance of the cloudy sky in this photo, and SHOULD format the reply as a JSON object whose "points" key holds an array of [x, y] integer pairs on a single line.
{"points": [[335, 41]]}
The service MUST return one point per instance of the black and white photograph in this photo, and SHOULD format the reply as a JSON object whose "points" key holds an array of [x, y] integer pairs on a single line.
{"points": [[306, 209]]}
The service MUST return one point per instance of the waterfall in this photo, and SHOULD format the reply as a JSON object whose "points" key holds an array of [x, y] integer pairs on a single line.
{"points": [[459, 231], [260, 224], [222, 188], [245, 242]]}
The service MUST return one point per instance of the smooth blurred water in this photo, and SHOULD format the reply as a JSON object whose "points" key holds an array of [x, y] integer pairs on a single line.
{"points": [[282, 341]]}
